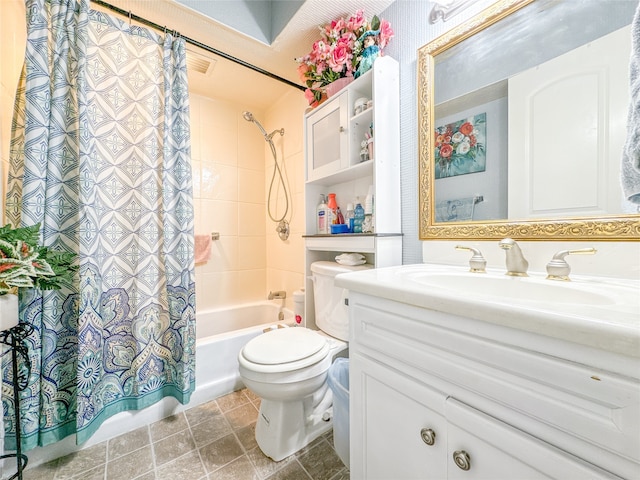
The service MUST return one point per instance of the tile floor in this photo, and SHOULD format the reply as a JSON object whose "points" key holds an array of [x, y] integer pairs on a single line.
{"points": [[211, 441]]}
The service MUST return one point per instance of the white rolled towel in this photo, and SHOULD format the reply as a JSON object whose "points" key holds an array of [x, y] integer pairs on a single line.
{"points": [[351, 259]]}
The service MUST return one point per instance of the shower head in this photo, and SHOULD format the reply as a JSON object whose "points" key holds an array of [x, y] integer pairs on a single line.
{"points": [[248, 116]]}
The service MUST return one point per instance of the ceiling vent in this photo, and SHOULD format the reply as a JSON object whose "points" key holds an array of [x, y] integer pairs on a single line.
{"points": [[199, 63]]}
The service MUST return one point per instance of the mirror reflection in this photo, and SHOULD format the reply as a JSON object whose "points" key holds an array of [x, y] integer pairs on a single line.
{"points": [[530, 115]]}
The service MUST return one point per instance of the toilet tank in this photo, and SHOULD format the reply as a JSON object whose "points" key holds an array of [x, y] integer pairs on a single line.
{"points": [[331, 312]]}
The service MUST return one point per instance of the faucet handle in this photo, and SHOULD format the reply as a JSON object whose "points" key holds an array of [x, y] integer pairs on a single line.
{"points": [[477, 263], [559, 269]]}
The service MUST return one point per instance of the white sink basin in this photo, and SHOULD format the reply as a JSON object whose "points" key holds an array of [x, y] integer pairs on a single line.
{"points": [[595, 311], [515, 289]]}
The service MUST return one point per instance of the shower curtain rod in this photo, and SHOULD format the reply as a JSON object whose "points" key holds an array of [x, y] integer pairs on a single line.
{"points": [[196, 43]]}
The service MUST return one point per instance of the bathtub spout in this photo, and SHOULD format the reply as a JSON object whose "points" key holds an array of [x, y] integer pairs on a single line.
{"points": [[278, 295]]}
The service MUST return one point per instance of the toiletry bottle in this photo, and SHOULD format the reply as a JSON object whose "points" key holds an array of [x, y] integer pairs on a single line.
{"points": [[333, 210], [349, 217], [322, 216], [340, 217], [367, 224], [358, 217]]}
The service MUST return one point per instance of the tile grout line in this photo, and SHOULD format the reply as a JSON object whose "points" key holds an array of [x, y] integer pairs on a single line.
{"points": [[195, 444], [303, 469], [233, 432], [153, 451]]}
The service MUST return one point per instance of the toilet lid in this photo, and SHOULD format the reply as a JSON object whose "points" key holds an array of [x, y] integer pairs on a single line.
{"points": [[283, 345]]}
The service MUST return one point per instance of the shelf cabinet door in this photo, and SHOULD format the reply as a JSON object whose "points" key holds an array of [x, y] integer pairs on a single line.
{"points": [[394, 434], [327, 138]]}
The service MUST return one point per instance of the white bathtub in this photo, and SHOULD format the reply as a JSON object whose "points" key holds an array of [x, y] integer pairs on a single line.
{"points": [[221, 333]]}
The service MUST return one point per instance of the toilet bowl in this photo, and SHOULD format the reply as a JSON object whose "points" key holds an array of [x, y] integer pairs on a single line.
{"points": [[287, 368]]}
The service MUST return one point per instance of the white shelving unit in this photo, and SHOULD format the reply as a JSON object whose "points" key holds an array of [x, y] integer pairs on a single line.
{"points": [[333, 134]]}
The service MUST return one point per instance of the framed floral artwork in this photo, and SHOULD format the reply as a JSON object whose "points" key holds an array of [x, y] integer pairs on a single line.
{"points": [[460, 147]]}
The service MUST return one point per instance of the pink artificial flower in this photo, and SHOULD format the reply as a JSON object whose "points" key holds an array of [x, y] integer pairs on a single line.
{"points": [[339, 57], [303, 68], [308, 95], [386, 33], [339, 25], [335, 51], [355, 22]]}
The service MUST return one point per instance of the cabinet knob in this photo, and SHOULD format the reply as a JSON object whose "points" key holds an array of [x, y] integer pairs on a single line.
{"points": [[341, 129], [428, 436], [462, 459]]}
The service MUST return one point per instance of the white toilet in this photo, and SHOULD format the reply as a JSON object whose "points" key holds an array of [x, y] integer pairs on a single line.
{"points": [[287, 368]]}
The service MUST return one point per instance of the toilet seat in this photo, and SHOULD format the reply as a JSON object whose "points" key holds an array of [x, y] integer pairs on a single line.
{"points": [[284, 350]]}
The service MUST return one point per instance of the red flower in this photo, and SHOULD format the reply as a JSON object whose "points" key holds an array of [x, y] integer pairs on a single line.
{"points": [[446, 151], [466, 128]]}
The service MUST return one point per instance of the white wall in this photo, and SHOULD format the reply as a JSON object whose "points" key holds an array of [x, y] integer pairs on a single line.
{"points": [[409, 19]]}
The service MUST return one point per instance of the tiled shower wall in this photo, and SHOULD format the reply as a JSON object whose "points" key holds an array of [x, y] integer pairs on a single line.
{"points": [[228, 173], [285, 259], [232, 169]]}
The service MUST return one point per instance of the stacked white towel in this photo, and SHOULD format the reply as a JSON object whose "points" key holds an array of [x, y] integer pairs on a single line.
{"points": [[351, 259]]}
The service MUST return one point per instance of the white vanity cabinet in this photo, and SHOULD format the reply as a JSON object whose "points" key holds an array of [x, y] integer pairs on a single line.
{"points": [[334, 132], [432, 394]]}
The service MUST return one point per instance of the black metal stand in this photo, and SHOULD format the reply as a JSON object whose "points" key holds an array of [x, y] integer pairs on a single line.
{"points": [[14, 338]]}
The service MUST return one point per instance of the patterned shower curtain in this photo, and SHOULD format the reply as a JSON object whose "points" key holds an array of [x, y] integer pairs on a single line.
{"points": [[100, 155]]}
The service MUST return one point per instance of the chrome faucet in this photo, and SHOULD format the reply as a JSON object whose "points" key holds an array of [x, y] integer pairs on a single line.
{"points": [[278, 295], [559, 269], [516, 263], [477, 263]]}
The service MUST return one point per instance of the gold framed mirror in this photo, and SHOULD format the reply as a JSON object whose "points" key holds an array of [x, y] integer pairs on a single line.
{"points": [[605, 226]]}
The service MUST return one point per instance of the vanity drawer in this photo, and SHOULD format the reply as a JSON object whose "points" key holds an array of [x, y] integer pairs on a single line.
{"points": [[582, 409]]}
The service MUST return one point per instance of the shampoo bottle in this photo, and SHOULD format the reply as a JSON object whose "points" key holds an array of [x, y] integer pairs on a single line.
{"points": [[333, 211], [322, 225]]}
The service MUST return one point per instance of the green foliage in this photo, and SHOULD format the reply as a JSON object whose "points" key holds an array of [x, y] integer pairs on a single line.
{"points": [[375, 23], [25, 264]]}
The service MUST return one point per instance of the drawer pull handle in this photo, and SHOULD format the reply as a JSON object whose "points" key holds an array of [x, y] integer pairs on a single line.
{"points": [[462, 459], [428, 436]]}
